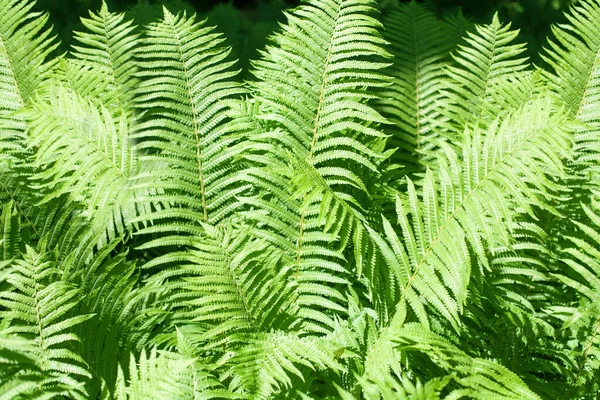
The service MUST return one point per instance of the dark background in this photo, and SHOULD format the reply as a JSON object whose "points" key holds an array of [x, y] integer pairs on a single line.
{"points": [[247, 24]]}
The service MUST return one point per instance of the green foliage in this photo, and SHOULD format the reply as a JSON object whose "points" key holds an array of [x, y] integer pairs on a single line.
{"points": [[383, 206]]}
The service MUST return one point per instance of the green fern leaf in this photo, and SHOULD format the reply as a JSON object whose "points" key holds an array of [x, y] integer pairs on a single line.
{"points": [[574, 56], [37, 308], [104, 66], [469, 212], [311, 108], [184, 85], [270, 362], [421, 49], [486, 60], [479, 378]]}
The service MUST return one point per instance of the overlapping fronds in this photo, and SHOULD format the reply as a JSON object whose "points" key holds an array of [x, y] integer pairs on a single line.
{"points": [[169, 375], [20, 375], [271, 362], [124, 315], [87, 156], [154, 376], [583, 276], [25, 43], [468, 212], [475, 201], [325, 59], [235, 294], [574, 56], [229, 284], [400, 388], [202, 376], [477, 378], [333, 51], [200, 237], [48, 220]]}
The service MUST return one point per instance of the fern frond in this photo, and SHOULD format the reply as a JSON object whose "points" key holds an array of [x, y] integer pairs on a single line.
{"points": [[184, 85], [488, 57], [78, 149], [574, 56], [582, 275], [154, 376], [313, 74], [457, 26], [403, 388], [49, 220], [25, 43], [478, 195], [311, 108], [480, 379], [87, 155], [124, 314], [203, 379], [38, 308], [468, 212], [293, 224], [344, 224], [144, 13], [228, 284], [421, 49], [107, 51], [270, 362], [20, 375], [168, 375]]}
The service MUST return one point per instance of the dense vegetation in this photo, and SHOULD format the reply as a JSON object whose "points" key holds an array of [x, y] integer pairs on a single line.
{"points": [[383, 205]]}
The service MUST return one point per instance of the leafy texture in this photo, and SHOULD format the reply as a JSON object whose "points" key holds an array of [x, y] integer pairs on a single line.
{"points": [[420, 45], [37, 307], [389, 206]]}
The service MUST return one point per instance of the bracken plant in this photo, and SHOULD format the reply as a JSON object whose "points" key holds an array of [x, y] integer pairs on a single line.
{"points": [[394, 206]]}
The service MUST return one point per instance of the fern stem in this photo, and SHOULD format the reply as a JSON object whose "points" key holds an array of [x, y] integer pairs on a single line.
{"points": [[39, 321], [316, 131], [111, 59], [12, 71], [588, 347], [195, 117], [20, 209]]}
